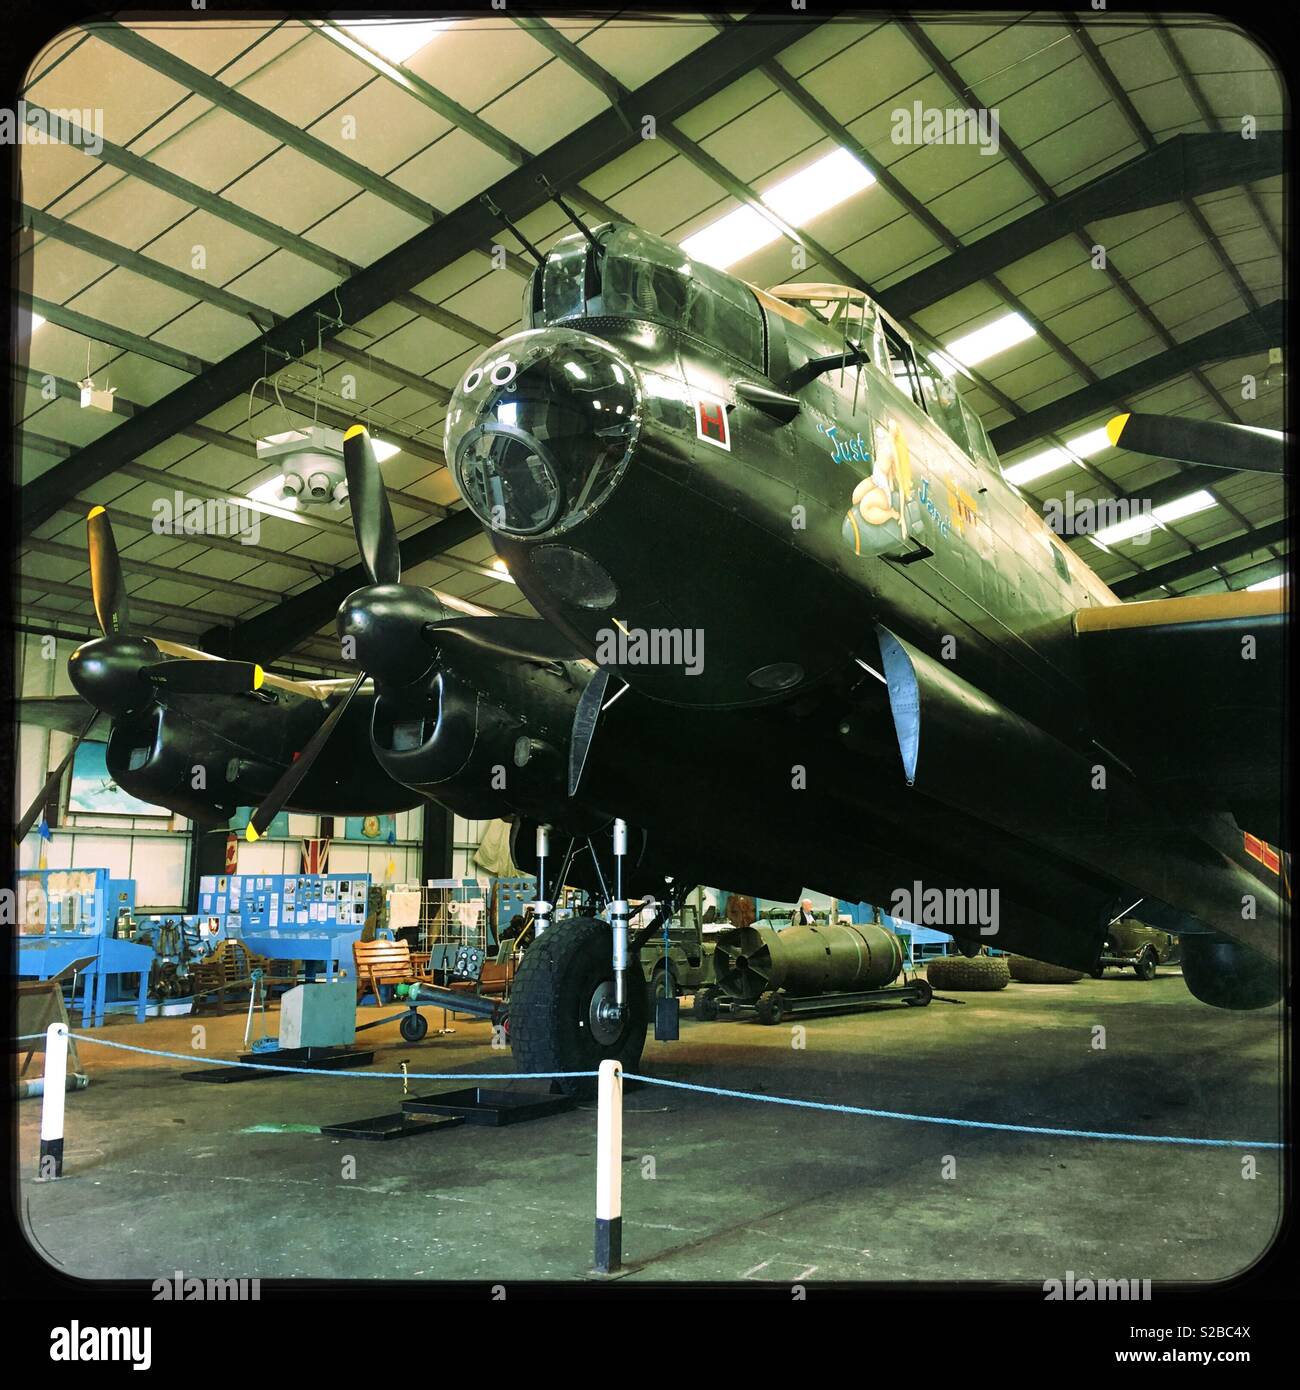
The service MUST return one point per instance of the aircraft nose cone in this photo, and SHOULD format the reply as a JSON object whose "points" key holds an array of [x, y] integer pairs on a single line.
{"points": [[106, 672], [542, 429], [381, 627]]}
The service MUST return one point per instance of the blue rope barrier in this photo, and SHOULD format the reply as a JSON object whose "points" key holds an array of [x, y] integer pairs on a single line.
{"points": [[316, 1071], [949, 1120], [827, 1106]]}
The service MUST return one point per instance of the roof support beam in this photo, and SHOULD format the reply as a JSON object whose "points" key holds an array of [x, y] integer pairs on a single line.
{"points": [[254, 554], [113, 336], [151, 269], [205, 583], [1241, 336], [1184, 167], [227, 211], [680, 88], [277, 631], [192, 79], [236, 444], [1260, 538]]}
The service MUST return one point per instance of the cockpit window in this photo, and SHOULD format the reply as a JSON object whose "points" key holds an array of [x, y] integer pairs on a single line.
{"points": [[647, 278], [943, 402], [564, 280]]}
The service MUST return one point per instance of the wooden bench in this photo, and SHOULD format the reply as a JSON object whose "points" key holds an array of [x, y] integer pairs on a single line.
{"points": [[382, 963], [229, 967]]}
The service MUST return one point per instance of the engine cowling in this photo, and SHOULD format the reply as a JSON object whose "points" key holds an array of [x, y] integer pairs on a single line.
{"points": [[484, 734]]}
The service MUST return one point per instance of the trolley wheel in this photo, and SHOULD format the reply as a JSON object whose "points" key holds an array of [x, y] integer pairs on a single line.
{"points": [[1145, 969], [924, 992], [557, 1023], [769, 1007], [705, 1007], [413, 1026]]}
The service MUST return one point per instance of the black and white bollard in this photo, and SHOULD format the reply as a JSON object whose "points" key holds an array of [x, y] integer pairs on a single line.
{"points": [[609, 1167], [56, 1080], [542, 908]]}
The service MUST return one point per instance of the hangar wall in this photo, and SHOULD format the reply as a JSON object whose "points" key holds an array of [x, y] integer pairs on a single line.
{"points": [[155, 850]]}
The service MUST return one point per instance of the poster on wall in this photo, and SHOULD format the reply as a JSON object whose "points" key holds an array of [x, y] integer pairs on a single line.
{"points": [[378, 830], [277, 830], [93, 791]]}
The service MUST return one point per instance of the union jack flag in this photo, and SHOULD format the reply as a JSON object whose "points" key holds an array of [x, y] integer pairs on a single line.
{"points": [[315, 856]]}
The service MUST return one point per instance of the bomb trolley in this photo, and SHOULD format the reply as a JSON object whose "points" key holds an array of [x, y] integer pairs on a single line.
{"points": [[456, 960], [414, 1026], [826, 968]]}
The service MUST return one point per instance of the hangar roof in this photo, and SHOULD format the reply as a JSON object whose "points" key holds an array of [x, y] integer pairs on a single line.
{"points": [[283, 224]]}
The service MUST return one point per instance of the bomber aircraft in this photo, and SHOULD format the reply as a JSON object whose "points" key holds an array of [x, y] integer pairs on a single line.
{"points": [[796, 630]]}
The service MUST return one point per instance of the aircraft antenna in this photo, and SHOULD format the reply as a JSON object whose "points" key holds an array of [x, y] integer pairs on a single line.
{"points": [[510, 226]]}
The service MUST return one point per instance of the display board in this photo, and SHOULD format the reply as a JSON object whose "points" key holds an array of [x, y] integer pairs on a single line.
{"points": [[285, 902]]}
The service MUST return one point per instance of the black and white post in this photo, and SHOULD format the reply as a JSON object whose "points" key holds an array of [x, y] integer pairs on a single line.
{"points": [[609, 1167], [52, 1101]]}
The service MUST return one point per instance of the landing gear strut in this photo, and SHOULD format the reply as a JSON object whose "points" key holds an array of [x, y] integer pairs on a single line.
{"points": [[562, 1005]]}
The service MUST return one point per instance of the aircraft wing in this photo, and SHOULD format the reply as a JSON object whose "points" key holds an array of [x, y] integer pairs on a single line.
{"points": [[65, 714], [1189, 693]]}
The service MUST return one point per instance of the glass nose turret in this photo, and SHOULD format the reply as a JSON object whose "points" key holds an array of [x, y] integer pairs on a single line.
{"points": [[541, 429]]}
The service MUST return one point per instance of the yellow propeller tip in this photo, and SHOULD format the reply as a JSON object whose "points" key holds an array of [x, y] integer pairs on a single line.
{"points": [[356, 429], [93, 513], [250, 834], [1115, 427], [258, 677]]}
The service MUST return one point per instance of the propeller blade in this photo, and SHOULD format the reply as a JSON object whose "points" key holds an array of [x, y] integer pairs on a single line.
{"points": [[33, 812], [106, 585], [299, 768], [372, 518], [206, 677], [1199, 441]]}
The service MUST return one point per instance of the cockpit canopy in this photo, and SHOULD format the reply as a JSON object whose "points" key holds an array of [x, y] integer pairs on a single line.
{"points": [[622, 272], [631, 274]]}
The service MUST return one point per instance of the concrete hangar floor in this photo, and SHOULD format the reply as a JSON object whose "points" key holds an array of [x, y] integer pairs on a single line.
{"points": [[230, 1181]]}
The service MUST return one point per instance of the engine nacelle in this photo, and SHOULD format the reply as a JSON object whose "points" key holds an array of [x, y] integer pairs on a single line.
{"points": [[485, 735]]}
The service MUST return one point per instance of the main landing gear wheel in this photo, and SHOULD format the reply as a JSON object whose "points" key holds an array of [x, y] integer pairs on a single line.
{"points": [[555, 1005], [413, 1026]]}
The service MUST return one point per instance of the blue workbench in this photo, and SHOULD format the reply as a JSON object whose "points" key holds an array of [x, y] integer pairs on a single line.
{"points": [[39, 957]]}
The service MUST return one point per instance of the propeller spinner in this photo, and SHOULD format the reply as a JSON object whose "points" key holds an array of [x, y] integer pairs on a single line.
{"points": [[118, 672]]}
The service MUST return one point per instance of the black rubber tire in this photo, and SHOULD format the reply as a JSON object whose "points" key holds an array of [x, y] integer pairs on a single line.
{"points": [[1098, 972], [705, 1007], [768, 1007], [1039, 972], [413, 1026], [550, 1002], [924, 993], [978, 973], [1145, 969], [1227, 976], [657, 984]]}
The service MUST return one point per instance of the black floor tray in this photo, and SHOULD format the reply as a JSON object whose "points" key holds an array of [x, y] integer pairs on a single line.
{"points": [[482, 1105], [318, 1058], [396, 1125]]}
